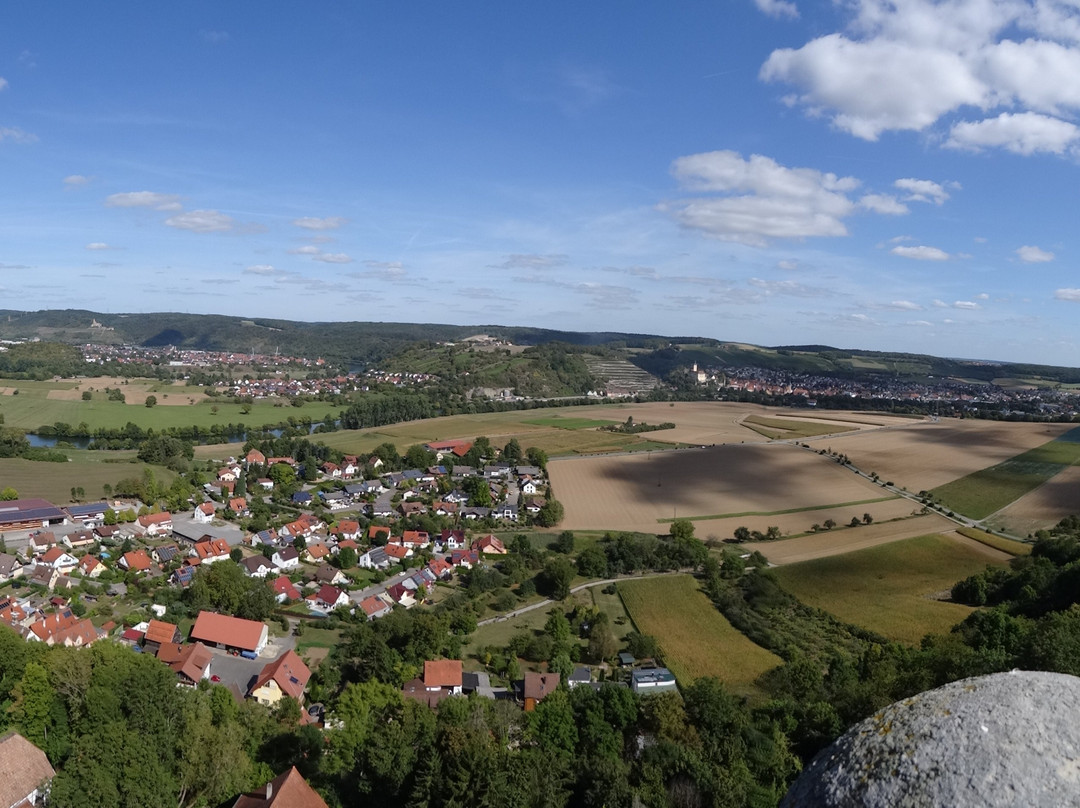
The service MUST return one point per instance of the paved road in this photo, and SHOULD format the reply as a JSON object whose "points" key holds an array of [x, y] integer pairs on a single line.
{"points": [[541, 604]]}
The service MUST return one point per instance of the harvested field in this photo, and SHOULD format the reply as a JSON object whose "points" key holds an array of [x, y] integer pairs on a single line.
{"points": [[924, 455], [846, 540], [891, 589], [1044, 507], [791, 428], [695, 638], [634, 492]]}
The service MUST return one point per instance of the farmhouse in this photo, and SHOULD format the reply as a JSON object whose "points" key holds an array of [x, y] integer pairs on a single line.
{"points": [[231, 633]]}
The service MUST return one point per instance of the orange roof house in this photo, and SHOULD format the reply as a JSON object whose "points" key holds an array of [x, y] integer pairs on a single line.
{"points": [[136, 561], [285, 676], [288, 790], [25, 770], [158, 631], [223, 631], [440, 674]]}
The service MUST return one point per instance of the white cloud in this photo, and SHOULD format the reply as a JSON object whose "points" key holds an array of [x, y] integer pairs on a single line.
{"points": [[884, 204], [261, 269], [76, 180], [904, 305], [789, 288], [778, 8], [906, 64], [391, 270], [941, 304], [1023, 133], [201, 221], [307, 249], [333, 258], [966, 304], [922, 190], [1033, 255], [533, 261], [98, 245], [3, 83], [982, 296], [921, 253], [143, 199], [1072, 295], [16, 135], [761, 199], [788, 265], [314, 223], [919, 323]]}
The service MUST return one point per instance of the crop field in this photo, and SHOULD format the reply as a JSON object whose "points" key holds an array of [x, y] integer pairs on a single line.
{"points": [[892, 589], [635, 492], [1042, 508], [560, 422], [846, 540], [695, 638], [1009, 546], [989, 490], [925, 455], [46, 403], [791, 428], [87, 470]]}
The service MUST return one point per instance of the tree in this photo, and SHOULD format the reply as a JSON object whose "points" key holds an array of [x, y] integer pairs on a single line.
{"points": [[854, 522], [236, 554], [683, 529], [592, 563], [8, 494], [742, 534], [550, 514], [283, 475], [558, 627], [867, 518], [87, 395], [151, 401], [602, 642], [556, 577], [830, 524], [346, 558], [538, 457], [417, 457], [512, 451], [34, 703], [565, 542]]}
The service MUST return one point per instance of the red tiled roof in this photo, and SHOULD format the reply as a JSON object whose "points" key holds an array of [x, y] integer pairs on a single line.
{"points": [[288, 790], [442, 673], [159, 631], [137, 560], [192, 661], [25, 768], [396, 551], [283, 586], [219, 629], [290, 673], [374, 531], [372, 605], [155, 519]]}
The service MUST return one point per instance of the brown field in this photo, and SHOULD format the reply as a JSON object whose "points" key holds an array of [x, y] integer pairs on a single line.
{"points": [[836, 542], [924, 455], [801, 521], [1042, 508], [633, 492], [174, 393]]}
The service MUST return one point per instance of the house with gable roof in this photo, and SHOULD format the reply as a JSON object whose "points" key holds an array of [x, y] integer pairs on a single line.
{"points": [[285, 676], [25, 772], [287, 790], [204, 513], [155, 524]]}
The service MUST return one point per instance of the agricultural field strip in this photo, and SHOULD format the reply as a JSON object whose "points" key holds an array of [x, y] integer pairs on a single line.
{"points": [[988, 490], [695, 638], [1013, 548], [781, 513]]}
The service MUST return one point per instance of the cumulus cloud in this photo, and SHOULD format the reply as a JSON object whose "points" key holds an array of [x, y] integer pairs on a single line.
{"points": [[922, 190], [759, 199], [16, 135], [333, 258], [965, 304], [1022, 133], [921, 253], [143, 199], [787, 265], [261, 269], [884, 204], [1033, 255], [307, 249], [906, 64], [1072, 295], [98, 245], [76, 181], [314, 223], [903, 305], [778, 8], [201, 221]]}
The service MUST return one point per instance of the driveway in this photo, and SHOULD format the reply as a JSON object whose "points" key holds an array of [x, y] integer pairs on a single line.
{"points": [[235, 670]]}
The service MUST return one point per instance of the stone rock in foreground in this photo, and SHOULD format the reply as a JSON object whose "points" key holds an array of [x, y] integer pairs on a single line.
{"points": [[1007, 739]]}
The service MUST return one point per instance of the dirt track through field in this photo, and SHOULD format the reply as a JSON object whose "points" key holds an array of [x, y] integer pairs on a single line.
{"points": [[836, 542]]}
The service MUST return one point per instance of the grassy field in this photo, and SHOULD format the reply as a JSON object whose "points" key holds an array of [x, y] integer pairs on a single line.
{"points": [[696, 639], [315, 643], [982, 493], [1009, 546], [88, 470], [888, 589], [781, 428]]}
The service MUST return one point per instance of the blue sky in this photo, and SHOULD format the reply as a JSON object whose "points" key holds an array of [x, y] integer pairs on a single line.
{"points": [[890, 175]]}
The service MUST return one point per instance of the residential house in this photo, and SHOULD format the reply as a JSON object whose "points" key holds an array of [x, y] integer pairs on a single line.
{"points": [[442, 508], [107, 534], [443, 674], [210, 552], [383, 506], [239, 506], [331, 470], [375, 607], [537, 686], [397, 552], [257, 566], [287, 558], [135, 561], [155, 524], [285, 676], [80, 539], [191, 662], [58, 558], [326, 574], [255, 457], [528, 486], [63, 628], [288, 790], [204, 513], [401, 595], [505, 510], [158, 632], [317, 552], [375, 559], [580, 676], [10, 568], [25, 773], [44, 575], [267, 537], [302, 498], [90, 566], [335, 500], [440, 569], [228, 474], [412, 508], [452, 540], [165, 553], [465, 558], [647, 681], [477, 512], [273, 461], [183, 576], [489, 544], [415, 539], [347, 529], [40, 541], [479, 683], [328, 598], [265, 483], [378, 534], [284, 590]]}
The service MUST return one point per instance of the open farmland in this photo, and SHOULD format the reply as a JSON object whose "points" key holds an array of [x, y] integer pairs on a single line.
{"points": [[695, 638], [891, 589], [86, 470], [791, 428], [924, 455], [847, 539], [635, 492], [988, 490], [1042, 508]]}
